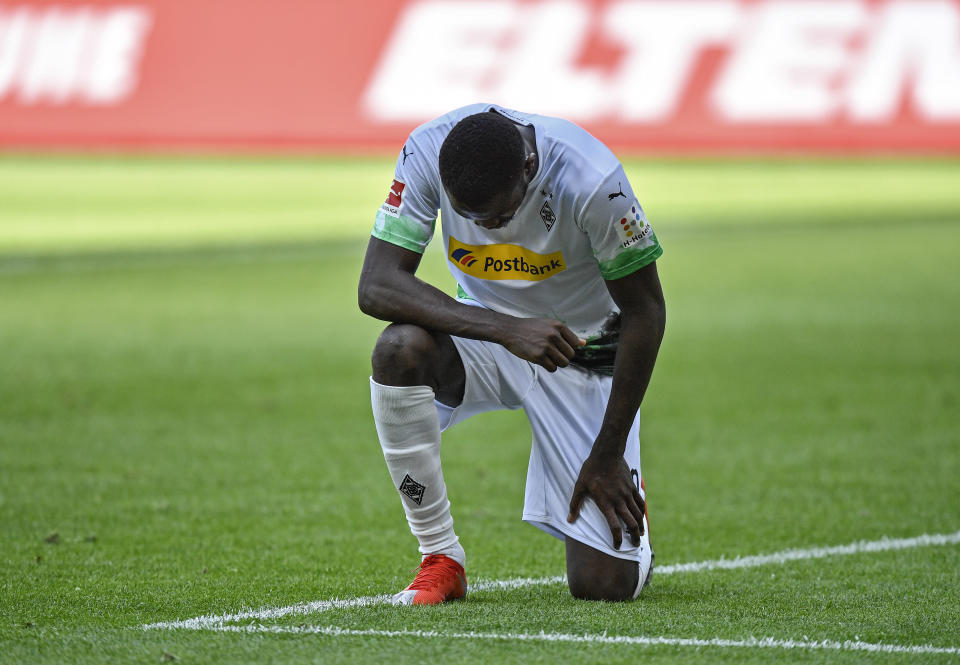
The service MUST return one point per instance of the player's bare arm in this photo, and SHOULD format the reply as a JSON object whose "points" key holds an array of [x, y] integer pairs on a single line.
{"points": [[605, 476], [389, 290]]}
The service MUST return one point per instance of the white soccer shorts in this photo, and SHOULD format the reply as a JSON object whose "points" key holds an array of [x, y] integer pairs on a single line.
{"points": [[565, 409]]}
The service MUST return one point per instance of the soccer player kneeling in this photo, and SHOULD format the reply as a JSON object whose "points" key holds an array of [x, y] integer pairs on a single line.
{"points": [[559, 312]]}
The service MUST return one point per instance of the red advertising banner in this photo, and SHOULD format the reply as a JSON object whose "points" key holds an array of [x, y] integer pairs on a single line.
{"points": [[643, 75]]}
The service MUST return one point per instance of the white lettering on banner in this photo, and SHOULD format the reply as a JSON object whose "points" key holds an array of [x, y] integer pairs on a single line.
{"points": [[52, 69], [57, 55], [13, 27], [662, 42], [541, 71], [440, 53], [113, 74], [788, 61], [912, 39]]}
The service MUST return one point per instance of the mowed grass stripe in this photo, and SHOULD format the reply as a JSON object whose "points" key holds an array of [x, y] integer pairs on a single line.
{"points": [[213, 622], [52, 204]]}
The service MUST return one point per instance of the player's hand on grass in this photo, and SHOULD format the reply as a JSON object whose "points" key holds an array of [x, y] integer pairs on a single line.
{"points": [[608, 481], [546, 342]]}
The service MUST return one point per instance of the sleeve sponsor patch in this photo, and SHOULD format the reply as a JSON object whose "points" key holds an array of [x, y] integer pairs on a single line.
{"points": [[632, 226], [392, 205]]}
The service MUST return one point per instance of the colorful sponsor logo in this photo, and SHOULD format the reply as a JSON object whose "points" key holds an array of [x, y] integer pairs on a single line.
{"points": [[463, 257], [633, 226], [394, 198], [497, 262]]}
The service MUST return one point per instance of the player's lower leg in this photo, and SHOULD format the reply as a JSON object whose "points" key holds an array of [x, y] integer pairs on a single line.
{"points": [[409, 431]]}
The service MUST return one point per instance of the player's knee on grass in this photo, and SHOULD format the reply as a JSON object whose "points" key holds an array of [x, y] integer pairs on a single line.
{"points": [[603, 585], [593, 575], [402, 355]]}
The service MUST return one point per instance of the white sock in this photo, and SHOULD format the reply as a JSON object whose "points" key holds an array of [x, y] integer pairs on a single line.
{"points": [[409, 431], [455, 552]]}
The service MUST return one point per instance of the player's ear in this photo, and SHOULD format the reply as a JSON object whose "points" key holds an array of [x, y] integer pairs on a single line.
{"points": [[530, 166]]}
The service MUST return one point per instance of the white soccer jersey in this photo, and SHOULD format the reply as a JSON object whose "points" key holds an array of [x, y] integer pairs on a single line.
{"points": [[578, 225]]}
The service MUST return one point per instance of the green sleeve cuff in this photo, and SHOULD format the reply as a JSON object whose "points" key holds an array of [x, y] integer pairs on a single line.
{"points": [[393, 238], [403, 231], [630, 261]]}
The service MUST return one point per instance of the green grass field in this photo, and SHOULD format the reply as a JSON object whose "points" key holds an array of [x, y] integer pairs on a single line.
{"points": [[185, 427]]}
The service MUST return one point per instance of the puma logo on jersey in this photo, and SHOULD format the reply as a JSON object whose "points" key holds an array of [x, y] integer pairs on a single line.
{"points": [[496, 262]]}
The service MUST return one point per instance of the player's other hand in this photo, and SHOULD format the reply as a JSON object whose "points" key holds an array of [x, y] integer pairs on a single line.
{"points": [[609, 482], [546, 342]]}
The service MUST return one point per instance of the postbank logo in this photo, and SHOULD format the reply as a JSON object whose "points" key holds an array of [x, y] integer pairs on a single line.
{"points": [[504, 261]]}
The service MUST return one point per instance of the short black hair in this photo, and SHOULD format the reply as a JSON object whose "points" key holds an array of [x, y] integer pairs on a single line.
{"points": [[481, 157]]}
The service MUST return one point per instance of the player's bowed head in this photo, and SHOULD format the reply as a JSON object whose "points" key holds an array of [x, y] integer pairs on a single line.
{"points": [[486, 164]]}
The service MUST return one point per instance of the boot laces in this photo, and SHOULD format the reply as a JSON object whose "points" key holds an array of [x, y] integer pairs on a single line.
{"points": [[433, 570]]}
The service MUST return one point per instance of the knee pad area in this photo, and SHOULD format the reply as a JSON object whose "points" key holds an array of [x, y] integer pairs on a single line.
{"points": [[400, 350], [604, 585]]}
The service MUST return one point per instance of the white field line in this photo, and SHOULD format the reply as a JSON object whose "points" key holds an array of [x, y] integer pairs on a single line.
{"points": [[216, 622], [859, 547], [602, 638]]}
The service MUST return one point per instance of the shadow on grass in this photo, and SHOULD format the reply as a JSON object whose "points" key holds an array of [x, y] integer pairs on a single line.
{"points": [[97, 260]]}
